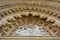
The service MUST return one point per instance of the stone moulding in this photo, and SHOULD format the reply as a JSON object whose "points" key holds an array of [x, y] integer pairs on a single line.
{"points": [[19, 14], [30, 38]]}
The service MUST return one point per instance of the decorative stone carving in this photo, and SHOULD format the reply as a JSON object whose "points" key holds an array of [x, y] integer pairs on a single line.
{"points": [[43, 13]]}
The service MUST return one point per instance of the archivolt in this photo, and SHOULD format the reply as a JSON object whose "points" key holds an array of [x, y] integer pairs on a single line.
{"points": [[12, 16]]}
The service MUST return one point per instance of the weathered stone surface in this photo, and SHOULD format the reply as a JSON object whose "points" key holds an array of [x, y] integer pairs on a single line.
{"points": [[17, 13]]}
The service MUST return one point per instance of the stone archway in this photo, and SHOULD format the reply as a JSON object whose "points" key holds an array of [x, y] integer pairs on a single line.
{"points": [[22, 14]]}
